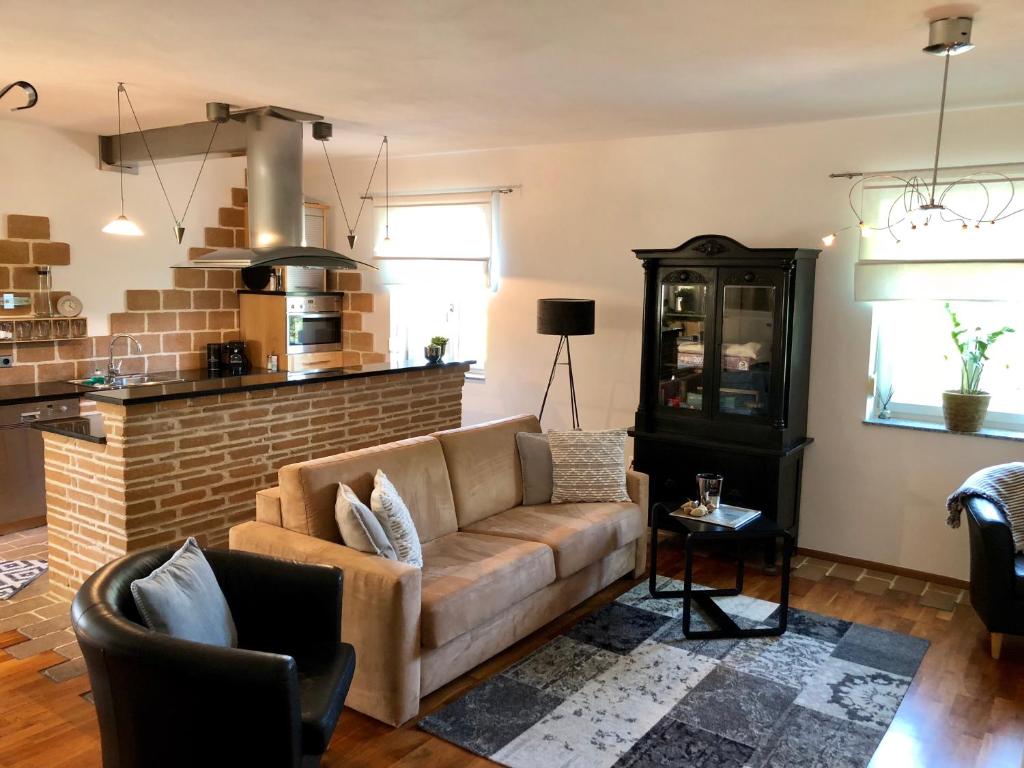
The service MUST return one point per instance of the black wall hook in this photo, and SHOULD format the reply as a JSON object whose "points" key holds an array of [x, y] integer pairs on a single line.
{"points": [[33, 95]]}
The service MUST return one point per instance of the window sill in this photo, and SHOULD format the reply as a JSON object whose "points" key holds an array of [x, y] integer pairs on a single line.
{"points": [[475, 376], [930, 426]]}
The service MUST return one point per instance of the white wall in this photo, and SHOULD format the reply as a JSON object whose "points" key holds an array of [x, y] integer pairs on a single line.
{"points": [[869, 492], [46, 172]]}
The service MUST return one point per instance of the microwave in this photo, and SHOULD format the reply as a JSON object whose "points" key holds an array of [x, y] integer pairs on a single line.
{"points": [[313, 324]]}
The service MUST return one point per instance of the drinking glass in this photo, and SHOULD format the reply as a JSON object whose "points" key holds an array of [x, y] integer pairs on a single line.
{"points": [[710, 487]]}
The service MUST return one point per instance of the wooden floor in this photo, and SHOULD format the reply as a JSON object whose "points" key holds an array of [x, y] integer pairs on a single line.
{"points": [[964, 709]]}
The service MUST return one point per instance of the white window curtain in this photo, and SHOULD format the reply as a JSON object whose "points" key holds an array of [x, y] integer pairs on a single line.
{"points": [[438, 239]]}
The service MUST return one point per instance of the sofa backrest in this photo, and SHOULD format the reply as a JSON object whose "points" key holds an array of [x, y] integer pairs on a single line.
{"points": [[483, 464], [416, 467]]}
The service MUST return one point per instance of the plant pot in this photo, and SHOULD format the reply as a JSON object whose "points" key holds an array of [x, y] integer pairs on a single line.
{"points": [[964, 413], [433, 353]]}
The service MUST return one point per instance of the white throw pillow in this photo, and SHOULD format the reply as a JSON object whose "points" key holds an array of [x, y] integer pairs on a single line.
{"points": [[588, 466], [394, 517], [359, 528]]}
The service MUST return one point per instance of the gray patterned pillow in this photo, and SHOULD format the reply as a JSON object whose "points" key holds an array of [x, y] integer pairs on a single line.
{"points": [[588, 466], [394, 517]]}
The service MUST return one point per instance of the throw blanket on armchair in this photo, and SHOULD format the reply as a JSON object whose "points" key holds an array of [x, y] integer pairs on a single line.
{"points": [[1003, 485]]}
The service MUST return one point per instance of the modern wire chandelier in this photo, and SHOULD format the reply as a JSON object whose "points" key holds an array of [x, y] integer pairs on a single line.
{"points": [[923, 202]]}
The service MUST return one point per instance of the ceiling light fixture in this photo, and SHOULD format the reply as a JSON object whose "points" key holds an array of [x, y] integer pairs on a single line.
{"points": [[122, 225], [921, 201]]}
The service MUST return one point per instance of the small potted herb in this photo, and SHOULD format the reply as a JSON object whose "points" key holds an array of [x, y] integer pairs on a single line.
{"points": [[964, 409], [435, 350]]}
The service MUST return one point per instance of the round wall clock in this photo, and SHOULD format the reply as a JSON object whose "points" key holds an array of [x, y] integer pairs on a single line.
{"points": [[69, 306]]}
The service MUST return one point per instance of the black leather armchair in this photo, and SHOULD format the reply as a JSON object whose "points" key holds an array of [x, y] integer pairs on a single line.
{"points": [[997, 572], [273, 701]]}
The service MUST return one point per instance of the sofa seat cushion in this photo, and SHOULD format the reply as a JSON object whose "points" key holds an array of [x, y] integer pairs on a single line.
{"points": [[578, 534], [469, 578]]}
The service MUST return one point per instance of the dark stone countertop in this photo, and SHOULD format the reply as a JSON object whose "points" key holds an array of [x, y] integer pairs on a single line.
{"points": [[16, 394], [291, 293], [88, 427], [201, 384]]}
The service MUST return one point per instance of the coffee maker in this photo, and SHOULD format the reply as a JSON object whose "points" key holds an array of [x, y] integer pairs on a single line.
{"points": [[234, 361]]}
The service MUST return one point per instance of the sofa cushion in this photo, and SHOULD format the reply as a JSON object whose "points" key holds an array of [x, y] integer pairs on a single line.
{"points": [[359, 527], [182, 598], [535, 460], [394, 517], [415, 466], [483, 463], [588, 466], [468, 579], [578, 534]]}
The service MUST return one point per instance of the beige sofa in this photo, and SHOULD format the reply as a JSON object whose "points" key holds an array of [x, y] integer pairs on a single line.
{"points": [[494, 571]]}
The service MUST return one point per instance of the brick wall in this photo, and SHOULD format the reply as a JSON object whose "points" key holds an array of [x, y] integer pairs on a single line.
{"points": [[192, 467], [174, 325]]}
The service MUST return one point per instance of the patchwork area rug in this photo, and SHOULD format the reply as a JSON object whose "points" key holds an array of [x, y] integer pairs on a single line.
{"points": [[624, 688], [15, 575]]}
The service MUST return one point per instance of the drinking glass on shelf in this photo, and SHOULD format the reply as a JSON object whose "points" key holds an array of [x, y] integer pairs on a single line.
{"points": [[710, 488], [23, 330]]}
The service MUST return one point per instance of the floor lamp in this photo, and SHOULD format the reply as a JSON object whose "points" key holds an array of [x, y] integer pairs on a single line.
{"points": [[564, 318]]}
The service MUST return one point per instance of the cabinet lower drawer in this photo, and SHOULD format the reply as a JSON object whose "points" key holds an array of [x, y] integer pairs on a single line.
{"points": [[312, 361]]}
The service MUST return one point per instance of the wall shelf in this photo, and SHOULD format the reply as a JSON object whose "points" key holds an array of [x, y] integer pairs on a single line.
{"points": [[38, 330]]}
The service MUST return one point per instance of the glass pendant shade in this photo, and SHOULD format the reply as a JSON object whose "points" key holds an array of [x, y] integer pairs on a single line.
{"points": [[122, 225]]}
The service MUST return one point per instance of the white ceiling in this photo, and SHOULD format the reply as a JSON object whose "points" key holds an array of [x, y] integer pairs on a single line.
{"points": [[441, 75]]}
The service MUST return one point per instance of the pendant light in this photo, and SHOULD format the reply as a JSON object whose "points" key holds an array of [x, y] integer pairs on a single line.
{"points": [[322, 133], [122, 225], [924, 201], [217, 113]]}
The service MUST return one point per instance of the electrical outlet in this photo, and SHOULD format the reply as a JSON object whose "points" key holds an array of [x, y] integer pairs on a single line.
{"points": [[6, 361]]}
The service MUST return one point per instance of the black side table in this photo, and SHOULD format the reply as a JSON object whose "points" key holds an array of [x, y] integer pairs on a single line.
{"points": [[762, 529]]}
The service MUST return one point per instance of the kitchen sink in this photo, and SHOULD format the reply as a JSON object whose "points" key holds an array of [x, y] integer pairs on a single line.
{"points": [[133, 380]]}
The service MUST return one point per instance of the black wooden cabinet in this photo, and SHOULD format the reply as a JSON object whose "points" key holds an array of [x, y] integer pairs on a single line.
{"points": [[725, 371]]}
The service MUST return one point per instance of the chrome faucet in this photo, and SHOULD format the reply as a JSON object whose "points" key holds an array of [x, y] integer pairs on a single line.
{"points": [[114, 369]]}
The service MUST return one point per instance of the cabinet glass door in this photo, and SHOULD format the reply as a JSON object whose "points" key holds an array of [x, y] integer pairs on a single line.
{"points": [[747, 336], [687, 299]]}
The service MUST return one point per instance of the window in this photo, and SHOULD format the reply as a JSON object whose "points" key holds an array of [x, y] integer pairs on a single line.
{"points": [[916, 357], [438, 258], [978, 269]]}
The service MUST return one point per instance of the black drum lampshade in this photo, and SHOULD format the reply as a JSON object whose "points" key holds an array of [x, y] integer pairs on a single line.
{"points": [[565, 317]]}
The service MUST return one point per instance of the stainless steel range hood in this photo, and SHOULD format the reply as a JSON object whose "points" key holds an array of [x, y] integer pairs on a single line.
{"points": [[273, 146], [271, 138]]}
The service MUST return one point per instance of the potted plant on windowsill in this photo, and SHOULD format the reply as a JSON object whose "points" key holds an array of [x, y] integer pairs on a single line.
{"points": [[964, 409]]}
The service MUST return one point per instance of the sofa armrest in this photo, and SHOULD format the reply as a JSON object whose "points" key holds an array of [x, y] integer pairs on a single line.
{"points": [[992, 567], [380, 616], [268, 506], [638, 487]]}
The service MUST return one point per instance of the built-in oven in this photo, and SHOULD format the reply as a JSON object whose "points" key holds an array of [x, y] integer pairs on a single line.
{"points": [[314, 324]]}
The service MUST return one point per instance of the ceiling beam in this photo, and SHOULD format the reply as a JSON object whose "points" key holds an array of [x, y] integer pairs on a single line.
{"points": [[173, 143]]}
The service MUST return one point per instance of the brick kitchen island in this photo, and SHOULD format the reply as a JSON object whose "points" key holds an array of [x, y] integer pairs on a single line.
{"points": [[156, 464]]}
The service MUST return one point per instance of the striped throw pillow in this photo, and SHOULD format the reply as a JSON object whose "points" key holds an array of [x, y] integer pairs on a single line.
{"points": [[588, 466], [394, 517]]}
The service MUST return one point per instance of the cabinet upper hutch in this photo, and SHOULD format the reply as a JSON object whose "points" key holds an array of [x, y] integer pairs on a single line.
{"points": [[725, 365]]}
